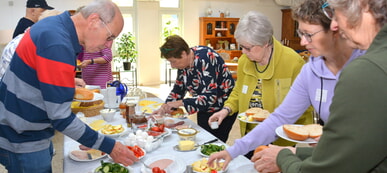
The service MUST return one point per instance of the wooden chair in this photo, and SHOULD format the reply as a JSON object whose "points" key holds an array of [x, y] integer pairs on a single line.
{"points": [[116, 75]]}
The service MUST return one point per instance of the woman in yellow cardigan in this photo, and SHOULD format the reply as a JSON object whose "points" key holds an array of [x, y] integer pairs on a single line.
{"points": [[266, 70]]}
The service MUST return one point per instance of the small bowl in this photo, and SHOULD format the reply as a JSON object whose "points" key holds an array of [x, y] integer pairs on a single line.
{"points": [[108, 114]]}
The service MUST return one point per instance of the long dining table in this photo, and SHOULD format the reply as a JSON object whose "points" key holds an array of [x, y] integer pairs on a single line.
{"points": [[166, 148]]}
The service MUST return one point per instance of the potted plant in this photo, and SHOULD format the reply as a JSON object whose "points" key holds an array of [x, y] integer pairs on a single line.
{"points": [[126, 50]]}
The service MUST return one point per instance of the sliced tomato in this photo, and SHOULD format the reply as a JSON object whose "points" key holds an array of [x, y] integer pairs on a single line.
{"points": [[156, 129], [162, 171], [161, 128]]}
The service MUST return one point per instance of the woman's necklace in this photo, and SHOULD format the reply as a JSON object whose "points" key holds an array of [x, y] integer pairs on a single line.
{"points": [[268, 64]]}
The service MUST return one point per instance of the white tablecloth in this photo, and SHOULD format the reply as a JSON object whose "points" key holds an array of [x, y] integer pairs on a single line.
{"points": [[70, 166]]}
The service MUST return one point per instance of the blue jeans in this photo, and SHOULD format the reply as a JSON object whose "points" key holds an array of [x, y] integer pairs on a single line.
{"points": [[36, 162]]}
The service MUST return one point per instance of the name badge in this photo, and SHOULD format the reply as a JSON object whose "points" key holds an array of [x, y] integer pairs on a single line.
{"points": [[322, 97], [244, 89]]}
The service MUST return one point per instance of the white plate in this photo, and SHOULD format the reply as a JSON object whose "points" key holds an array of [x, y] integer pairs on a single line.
{"points": [[116, 134], [200, 148], [243, 117], [84, 160], [280, 132], [178, 165], [97, 96]]}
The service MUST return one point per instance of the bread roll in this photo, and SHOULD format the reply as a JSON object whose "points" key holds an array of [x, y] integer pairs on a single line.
{"points": [[260, 148], [178, 111], [83, 94], [257, 114], [302, 133]]}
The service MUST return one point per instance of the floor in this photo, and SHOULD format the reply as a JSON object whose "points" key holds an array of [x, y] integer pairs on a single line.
{"points": [[160, 91]]}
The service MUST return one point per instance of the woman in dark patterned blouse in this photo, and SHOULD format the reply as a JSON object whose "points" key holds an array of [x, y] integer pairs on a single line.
{"points": [[203, 73]]}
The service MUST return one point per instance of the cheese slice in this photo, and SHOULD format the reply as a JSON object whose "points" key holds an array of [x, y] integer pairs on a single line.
{"points": [[146, 102], [97, 124]]}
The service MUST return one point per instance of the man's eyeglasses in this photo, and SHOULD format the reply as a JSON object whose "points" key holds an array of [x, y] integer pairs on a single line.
{"points": [[307, 36], [111, 36], [247, 48], [328, 11]]}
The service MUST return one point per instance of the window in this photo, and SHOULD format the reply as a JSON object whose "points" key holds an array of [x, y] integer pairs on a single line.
{"points": [[124, 3], [169, 3], [128, 12], [170, 23]]}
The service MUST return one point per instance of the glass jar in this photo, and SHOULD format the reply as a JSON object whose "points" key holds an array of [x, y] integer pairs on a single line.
{"points": [[187, 134]]}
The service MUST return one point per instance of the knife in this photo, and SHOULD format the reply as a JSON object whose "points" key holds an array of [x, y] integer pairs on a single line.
{"points": [[89, 156], [211, 141]]}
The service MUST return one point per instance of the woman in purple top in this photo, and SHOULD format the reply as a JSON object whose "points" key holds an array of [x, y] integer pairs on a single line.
{"points": [[313, 86], [96, 67]]}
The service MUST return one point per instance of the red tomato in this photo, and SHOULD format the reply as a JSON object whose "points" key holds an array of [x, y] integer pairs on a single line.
{"points": [[214, 171], [162, 171], [156, 170]]}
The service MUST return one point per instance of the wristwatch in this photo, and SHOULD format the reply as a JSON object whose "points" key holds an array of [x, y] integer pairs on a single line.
{"points": [[92, 61], [228, 109]]}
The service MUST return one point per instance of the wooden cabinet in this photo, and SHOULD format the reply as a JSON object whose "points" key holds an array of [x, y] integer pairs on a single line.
{"points": [[289, 31], [219, 32]]}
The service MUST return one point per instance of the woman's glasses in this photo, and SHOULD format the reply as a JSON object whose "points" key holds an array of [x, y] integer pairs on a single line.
{"points": [[307, 36], [328, 11]]}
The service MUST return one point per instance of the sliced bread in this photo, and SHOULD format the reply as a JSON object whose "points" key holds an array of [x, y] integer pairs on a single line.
{"points": [[315, 130], [257, 114], [301, 133], [296, 132]]}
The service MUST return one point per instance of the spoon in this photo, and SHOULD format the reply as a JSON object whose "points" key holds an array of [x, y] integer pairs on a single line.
{"points": [[145, 165]]}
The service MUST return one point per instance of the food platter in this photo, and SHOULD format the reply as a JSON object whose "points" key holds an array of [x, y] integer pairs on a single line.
{"points": [[243, 117], [175, 123], [280, 132], [115, 135], [97, 96], [199, 164], [73, 155], [150, 104]]}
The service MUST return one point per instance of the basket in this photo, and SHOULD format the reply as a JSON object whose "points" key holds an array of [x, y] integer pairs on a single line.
{"points": [[89, 111]]}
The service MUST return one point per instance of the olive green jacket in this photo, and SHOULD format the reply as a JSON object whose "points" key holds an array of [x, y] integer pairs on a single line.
{"points": [[283, 69]]}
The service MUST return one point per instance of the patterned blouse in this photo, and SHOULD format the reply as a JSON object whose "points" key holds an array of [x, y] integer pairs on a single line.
{"points": [[209, 82]]}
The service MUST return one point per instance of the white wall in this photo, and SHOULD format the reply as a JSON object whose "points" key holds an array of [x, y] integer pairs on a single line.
{"points": [[148, 26]]}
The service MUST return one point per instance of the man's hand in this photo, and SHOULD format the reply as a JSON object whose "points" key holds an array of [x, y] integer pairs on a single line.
{"points": [[265, 160], [121, 154], [79, 83]]}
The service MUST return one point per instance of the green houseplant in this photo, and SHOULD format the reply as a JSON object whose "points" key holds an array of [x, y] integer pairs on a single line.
{"points": [[126, 50]]}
